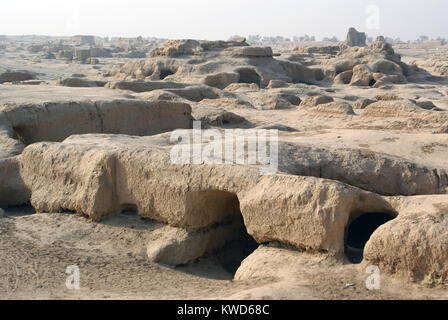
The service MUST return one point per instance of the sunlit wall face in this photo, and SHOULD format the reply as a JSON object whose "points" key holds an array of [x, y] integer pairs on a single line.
{"points": [[205, 19]]}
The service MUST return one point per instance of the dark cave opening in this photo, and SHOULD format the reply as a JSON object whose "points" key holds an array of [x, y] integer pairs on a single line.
{"points": [[359, 232], [22, 134], [230, 242], [165, 73], [234, 252], [248, 75]]}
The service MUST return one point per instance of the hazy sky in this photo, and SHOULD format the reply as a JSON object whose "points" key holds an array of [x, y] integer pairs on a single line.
{"points": [[209, 19]]}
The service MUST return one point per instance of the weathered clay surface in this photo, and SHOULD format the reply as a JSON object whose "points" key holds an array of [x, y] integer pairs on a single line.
{"points": [[415, 244], [58, 117], [361, 126], [106, 174], [175, 246]]}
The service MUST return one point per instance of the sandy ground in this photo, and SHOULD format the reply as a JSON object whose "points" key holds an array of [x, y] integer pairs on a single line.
{"points": [[36, 249]]}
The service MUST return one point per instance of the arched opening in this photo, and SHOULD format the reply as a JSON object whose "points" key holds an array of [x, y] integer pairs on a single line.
{"points": [[165, 73], [248, 75], [359, 232], [236, 250], [227, 241]]}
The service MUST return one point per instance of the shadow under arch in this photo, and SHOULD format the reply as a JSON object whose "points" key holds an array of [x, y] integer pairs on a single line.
{"points": [[249, 75], [359, 230], [233, 244]]}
